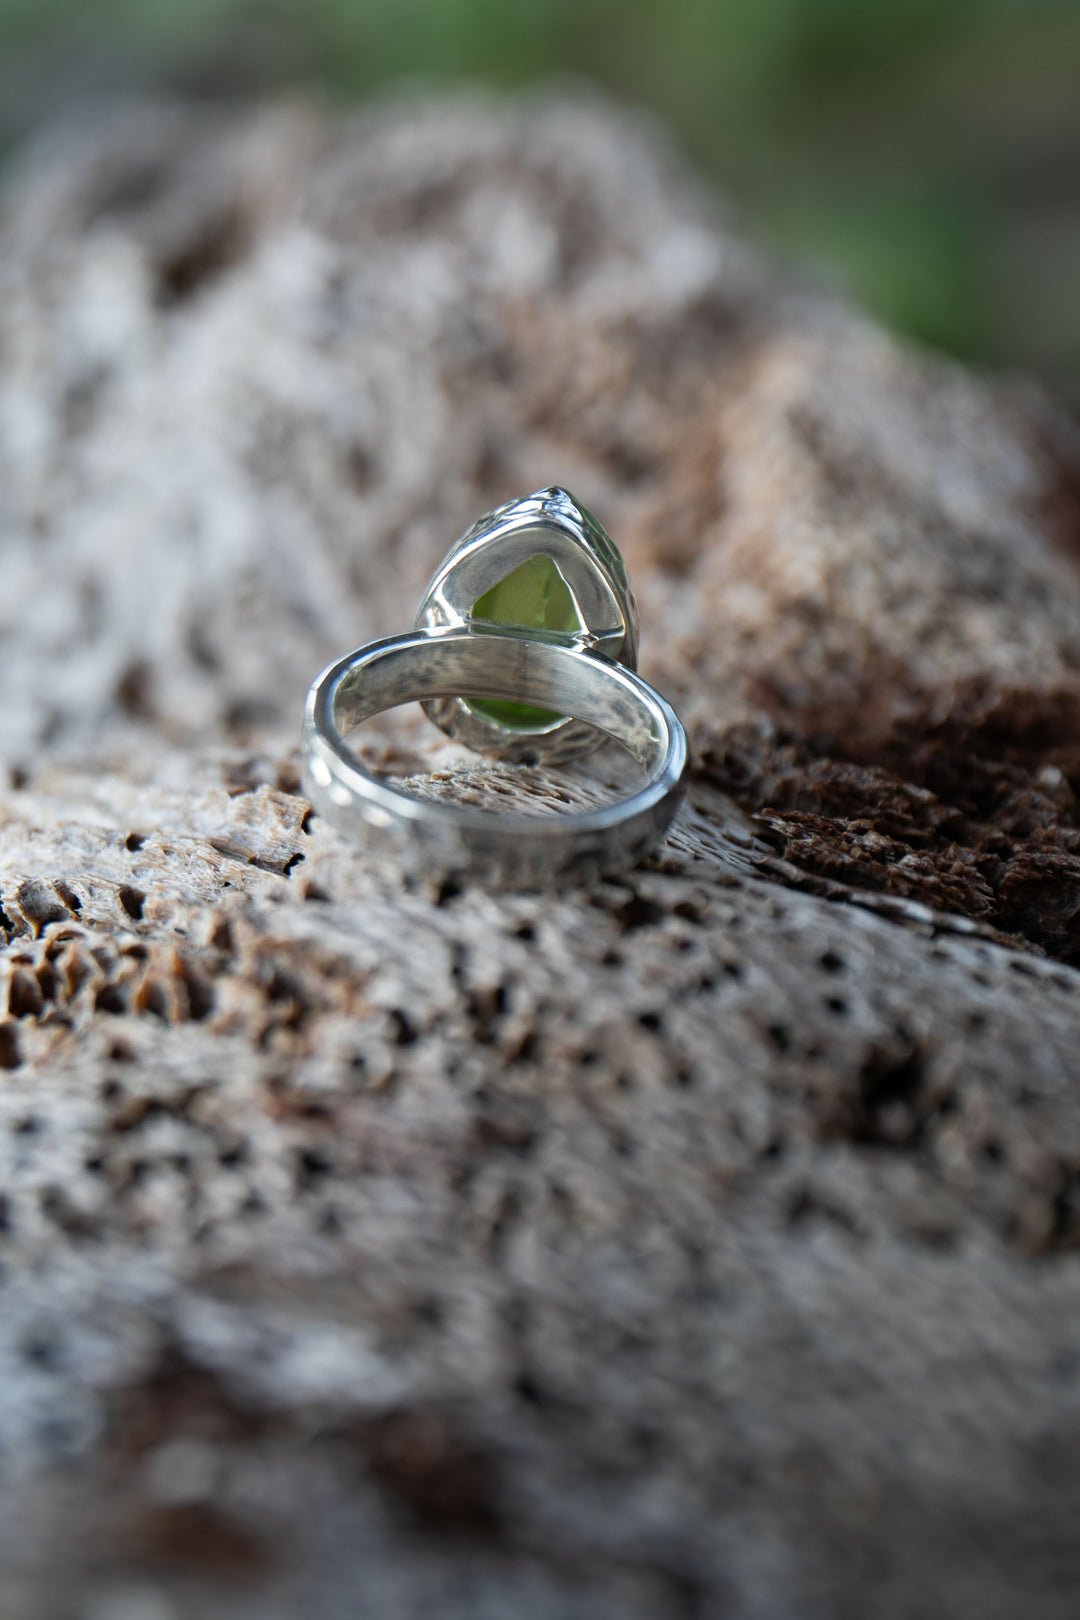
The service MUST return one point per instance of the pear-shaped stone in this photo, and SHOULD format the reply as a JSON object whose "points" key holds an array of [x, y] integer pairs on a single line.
{"points": [[535, 596]]}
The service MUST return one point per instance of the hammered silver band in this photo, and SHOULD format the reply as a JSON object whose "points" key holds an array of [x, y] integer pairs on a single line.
{"points": [[436, 838]]}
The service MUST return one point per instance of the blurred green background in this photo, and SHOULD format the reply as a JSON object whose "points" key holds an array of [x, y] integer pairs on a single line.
{"points": [[923, 153]]}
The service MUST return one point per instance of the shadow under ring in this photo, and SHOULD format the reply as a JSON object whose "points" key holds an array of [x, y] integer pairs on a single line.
{"points": [[508, 849]]}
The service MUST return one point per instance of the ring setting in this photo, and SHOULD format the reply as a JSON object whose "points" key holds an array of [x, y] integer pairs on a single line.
{"points": [[541, 563], [524, 649]]}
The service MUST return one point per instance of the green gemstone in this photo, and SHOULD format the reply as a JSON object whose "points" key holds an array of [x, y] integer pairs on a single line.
{"points": [[535, 596]]}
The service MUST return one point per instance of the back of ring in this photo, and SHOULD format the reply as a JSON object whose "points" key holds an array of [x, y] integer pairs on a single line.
{"points": [[437, 839], [542, 563]]}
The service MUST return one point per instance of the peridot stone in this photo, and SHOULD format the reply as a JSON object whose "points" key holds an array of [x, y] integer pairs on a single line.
{"points": [[535, 596]]}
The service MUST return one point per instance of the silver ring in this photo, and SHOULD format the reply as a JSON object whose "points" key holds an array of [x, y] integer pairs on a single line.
{"points": [[554, 687]]}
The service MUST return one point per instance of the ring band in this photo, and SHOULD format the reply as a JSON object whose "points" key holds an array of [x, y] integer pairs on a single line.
{"points": [[494, 662]]}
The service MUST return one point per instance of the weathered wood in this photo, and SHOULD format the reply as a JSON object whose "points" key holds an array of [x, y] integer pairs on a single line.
{"points": [[706, 1243]]}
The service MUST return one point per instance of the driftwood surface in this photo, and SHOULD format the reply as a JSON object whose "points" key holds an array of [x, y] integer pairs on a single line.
{"points": [[703, 1244]]}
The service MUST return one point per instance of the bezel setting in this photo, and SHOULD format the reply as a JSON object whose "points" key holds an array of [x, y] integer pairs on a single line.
{"points": [[552, 524]]}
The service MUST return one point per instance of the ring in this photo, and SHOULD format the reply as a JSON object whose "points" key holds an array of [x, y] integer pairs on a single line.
{"points": [[524, 648]]}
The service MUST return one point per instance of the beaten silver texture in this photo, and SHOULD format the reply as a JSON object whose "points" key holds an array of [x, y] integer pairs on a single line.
{"points": [[503, 850]]}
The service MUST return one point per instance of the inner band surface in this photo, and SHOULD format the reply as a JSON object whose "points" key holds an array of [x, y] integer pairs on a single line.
{"points": [[496, 664]]}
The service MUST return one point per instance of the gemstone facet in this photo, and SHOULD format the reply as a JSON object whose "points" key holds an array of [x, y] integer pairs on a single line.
{"points": [[534, 596]]}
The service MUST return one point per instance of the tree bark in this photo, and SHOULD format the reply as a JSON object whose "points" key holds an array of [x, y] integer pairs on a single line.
{"points": [[704, 1243]]}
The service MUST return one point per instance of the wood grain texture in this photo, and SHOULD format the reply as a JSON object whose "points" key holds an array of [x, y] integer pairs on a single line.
{"points": [[707, 1243]]}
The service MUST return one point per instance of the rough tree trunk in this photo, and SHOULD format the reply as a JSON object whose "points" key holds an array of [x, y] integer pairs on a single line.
{"points": [[706, 1243]]}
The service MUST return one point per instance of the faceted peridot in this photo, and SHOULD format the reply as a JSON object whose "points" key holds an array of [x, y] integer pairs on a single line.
{"points": [[535, 596]]}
